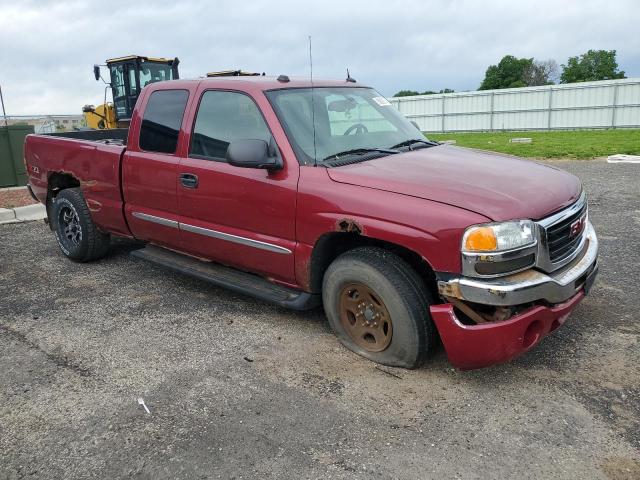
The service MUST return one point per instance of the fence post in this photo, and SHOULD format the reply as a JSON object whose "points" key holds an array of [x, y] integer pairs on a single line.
{"points": [[615, 104], [442, 128], [550, 107], [4, 114], [491, 113]]}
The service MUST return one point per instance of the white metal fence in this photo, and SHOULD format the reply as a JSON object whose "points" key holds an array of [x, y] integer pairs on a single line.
{"points": [[605, 104]]}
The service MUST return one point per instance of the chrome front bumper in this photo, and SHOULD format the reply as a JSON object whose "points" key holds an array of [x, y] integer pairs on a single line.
{"points": [[530, 285]]}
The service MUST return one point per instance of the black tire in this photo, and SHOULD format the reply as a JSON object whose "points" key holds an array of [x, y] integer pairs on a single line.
{"points": [[403, 294], [78, 237]]}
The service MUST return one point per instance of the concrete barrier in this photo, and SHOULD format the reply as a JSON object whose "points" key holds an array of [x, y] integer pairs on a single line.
{"points": [[28, 213]]}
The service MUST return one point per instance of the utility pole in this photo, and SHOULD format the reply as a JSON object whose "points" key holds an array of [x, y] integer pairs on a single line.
{"points": [[4, 114]]}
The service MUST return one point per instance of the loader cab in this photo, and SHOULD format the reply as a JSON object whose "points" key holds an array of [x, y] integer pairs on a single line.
{"points": [[129, 75]]}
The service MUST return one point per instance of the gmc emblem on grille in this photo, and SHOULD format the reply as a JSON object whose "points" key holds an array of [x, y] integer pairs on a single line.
{"points": [[577, 227]]}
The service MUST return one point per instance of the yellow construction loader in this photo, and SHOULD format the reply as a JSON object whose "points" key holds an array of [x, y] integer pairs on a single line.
{"points": [[128, 76]]}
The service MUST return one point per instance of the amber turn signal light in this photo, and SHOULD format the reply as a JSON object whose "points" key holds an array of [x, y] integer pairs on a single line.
{"points": [[481, 239]]}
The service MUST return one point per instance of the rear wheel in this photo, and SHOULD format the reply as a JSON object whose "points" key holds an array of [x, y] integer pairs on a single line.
{"points": [[378, 307], [78, 237]]}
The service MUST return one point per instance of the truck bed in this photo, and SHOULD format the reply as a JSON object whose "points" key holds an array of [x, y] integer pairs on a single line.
{"points": [[117, 136], [89, 159]]}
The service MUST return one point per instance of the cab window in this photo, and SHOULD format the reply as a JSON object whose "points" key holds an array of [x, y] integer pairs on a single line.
{"points": [[133, 88], [162, 119], [222, 118], [119, 90]]}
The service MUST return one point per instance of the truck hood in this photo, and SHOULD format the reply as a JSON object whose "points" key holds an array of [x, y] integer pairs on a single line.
{"points": [[500, 187]]}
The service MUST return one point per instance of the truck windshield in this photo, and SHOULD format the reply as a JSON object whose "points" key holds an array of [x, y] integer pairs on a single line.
{"points": [[339, 121]]}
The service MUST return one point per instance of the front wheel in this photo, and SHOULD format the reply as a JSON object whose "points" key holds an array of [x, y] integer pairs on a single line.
{"points": [[378, 307], [78, 237]]}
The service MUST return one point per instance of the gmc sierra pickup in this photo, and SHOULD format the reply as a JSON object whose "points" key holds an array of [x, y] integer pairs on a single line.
{"points": [[306, 194]]}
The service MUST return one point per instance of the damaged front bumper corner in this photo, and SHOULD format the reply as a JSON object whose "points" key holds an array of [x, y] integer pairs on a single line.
{"points": [[530, 285], [552, 296]]}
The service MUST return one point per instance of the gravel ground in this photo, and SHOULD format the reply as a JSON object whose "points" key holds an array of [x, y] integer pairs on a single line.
{"points": [[241, 389]]}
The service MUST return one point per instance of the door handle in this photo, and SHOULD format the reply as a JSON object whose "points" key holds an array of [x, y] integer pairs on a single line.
{"points": [[189, 180]]}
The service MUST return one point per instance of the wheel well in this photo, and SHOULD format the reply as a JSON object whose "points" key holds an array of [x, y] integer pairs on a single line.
{"points": [[58, 182], [331, 245], [61, 181]]}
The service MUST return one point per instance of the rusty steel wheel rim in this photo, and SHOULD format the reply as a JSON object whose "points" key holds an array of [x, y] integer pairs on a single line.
{"points": [[365, 317]]}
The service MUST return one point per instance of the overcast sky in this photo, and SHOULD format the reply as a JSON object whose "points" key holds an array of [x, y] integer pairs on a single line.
{"points": [[48, 48]]}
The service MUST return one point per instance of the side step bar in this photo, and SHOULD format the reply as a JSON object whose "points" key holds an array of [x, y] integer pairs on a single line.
{"points": [[229, 278]]}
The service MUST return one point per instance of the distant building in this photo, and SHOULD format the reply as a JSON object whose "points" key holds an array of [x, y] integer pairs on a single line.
{"points": [[48, 123]]}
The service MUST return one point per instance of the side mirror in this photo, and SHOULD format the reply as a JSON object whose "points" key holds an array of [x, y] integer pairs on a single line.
{"points": [[252, 153], [96, 72]]}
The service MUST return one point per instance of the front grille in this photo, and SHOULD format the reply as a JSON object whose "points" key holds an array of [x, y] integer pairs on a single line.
{"points": [[562, 239]]}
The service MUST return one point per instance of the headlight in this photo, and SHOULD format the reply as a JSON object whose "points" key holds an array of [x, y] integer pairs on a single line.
{"points": [[496, 249], [499, 237]]}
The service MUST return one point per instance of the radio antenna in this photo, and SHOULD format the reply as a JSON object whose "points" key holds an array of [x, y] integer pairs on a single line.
{"points": [[313, 105]]}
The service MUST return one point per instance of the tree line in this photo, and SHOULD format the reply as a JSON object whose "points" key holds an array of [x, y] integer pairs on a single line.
{"points": [[512, 72]]}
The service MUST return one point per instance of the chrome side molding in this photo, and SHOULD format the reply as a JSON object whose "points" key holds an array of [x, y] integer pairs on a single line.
{"points": [[153, 219], [234, 238], [249, 242]]}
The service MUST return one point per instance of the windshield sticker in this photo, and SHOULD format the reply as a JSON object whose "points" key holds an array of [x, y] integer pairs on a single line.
{"points": [[381, 101]]}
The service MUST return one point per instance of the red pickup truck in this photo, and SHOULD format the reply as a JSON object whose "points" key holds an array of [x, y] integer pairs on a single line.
{"points": [[306, 194]]}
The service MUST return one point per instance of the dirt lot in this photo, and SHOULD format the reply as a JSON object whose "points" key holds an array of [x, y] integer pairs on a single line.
{"points": [[15, 197], [241, 389]]}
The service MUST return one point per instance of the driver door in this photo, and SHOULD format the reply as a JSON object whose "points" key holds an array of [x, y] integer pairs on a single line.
{"points": [[243, 217]]}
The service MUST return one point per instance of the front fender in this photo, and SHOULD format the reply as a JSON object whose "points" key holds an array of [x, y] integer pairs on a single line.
{"points": [[431, 229]]}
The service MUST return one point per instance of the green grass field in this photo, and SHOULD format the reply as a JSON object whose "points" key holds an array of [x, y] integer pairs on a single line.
{"points": [[582, 144]]}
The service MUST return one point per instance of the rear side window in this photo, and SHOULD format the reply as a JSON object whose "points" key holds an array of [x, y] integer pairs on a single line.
{"points": [[162, 119], [222, 118]]}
